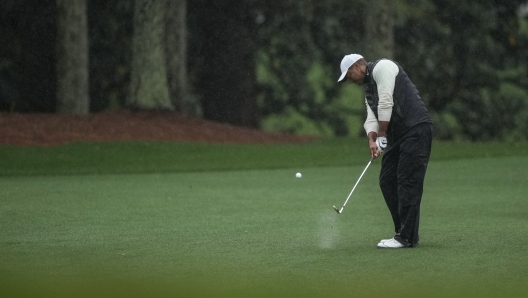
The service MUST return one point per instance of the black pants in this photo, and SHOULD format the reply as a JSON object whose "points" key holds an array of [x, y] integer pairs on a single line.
{"points": [[402, 177]]}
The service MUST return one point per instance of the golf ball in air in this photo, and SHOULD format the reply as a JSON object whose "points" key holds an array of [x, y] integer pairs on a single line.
{"points": [[298, 175]]}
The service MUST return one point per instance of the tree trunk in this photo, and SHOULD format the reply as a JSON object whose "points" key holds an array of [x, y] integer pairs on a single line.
{"points": [[176, 53], [72, 57], [149, 87], [228, 84], [379, 35]]}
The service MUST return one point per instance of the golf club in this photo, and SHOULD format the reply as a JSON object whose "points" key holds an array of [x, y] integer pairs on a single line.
{"points": [[341, 210]]}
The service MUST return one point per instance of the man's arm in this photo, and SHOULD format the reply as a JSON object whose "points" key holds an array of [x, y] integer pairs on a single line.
{"points": [[382, 130], [371, 128], [371, 123], [385, 74]]}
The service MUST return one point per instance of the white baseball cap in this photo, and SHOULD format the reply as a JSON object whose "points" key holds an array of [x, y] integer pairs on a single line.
{"points": [[347, 61]]}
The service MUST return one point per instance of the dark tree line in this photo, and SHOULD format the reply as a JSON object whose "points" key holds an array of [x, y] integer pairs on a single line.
{"points": [[27, 55], [242, 61]]}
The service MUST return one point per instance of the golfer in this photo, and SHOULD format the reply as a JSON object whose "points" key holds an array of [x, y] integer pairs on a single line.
{"points": [[399, 125]]}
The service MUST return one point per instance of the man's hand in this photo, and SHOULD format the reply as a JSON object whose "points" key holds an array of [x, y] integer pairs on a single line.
{"points": [[381, 142], [374, 151]]}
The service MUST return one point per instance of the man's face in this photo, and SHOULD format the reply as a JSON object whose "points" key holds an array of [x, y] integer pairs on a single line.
{"points": [[356, 74]]}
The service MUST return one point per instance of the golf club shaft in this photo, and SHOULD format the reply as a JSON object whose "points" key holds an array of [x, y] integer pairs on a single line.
{"points": [[371, 159]]}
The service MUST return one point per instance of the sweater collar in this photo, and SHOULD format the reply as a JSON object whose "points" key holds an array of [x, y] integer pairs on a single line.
{"points": [[368, 71]]}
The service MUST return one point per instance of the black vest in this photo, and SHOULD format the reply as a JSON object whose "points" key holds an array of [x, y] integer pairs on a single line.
{"points": [[409, 108]]}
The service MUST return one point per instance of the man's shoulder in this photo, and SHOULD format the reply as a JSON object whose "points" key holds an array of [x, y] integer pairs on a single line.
{"points": [[385, 63]]}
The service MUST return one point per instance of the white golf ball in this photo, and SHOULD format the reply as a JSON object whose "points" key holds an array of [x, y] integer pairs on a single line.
{"points": [[298, 175]]}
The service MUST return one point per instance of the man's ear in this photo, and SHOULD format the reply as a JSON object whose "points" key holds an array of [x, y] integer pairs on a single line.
{"points": [[362, 67]]}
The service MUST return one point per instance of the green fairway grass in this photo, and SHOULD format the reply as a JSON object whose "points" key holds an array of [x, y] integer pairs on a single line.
{"points": [[158, 157], [256, 231]]}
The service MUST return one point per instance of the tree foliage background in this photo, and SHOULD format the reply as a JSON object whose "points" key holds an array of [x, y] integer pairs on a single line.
{"points": [[274, 64]]}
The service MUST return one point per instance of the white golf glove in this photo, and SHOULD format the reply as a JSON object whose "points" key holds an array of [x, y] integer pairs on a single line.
{"points": [[382, 143]]}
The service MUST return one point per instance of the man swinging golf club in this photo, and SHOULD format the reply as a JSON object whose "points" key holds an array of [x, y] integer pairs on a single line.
{"points": [[399, 125]]}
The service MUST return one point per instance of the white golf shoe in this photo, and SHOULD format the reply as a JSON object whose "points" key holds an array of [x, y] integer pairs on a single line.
{"points": [[385, 240], [391, 243]]}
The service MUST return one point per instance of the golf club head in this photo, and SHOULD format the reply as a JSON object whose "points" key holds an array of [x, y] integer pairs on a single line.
{"points": [[337, 210]]}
